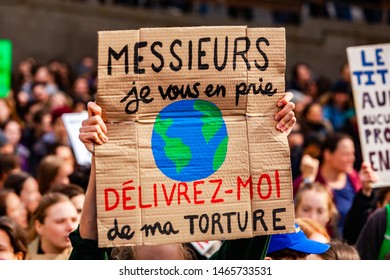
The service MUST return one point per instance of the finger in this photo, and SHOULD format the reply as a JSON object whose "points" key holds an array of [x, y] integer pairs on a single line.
{"points": [[287, 118], [94, 129], [285, 99], [95, 120], [288, 126], [90, 137], [94, 109], [288, 108]]}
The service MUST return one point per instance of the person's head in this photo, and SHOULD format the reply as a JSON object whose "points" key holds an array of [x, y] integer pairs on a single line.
{"points": [[81, 88], [5, 145], [293, 246], [338, 152], [13, 132], [65, 152], [338, 251], [40, 93], [75, 193], [53, 170], [58, 125], [312, 145], [26, 187], [5, 111], [152, 252], [41, 120], [13, 240], [43, 75], [301, 72], [313, 230], [12, 207], [53, 221], [340, 96], [313, 113], [8, 164], [58, 100], [382, 196], [315, 201]]}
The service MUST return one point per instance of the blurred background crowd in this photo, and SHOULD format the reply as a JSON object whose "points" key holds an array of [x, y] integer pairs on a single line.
{"points": [[42, 186]]}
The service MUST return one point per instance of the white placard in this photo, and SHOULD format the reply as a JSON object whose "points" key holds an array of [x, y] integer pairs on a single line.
{"points": [[370, 77], [72, 122]]}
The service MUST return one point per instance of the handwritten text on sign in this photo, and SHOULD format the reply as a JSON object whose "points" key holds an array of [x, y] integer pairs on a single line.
{"points": [[193, 150], [371, 84]]}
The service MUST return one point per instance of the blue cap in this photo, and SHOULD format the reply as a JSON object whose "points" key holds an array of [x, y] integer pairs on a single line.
{"points": [[296, 241]]}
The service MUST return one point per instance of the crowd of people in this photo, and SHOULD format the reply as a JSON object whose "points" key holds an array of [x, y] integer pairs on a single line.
{"points": [[48, 200]]}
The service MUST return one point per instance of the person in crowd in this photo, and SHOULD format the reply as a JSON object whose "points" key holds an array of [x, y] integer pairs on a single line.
{"points": [[80, 174], [373, 242], [23, 77], [5, 145], [75, 193], [32, 134], [26, 187], [59, 100], [43, 76], [302, 75], [309, 149], [12, 207], [338, 250], [8, 163], [53, 170], [313, 230], [13, 132], [293, 246], [58, 135], [336, 172], [62, 74], [364, 204], [93, 132], [7, 111], [82, 90], [52, 222], [13, 240], [312, 121], [295, 142], [315, 201], [40, 93]]}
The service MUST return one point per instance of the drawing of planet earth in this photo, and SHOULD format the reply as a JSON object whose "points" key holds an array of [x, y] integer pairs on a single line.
{"points": [[189, 140]]}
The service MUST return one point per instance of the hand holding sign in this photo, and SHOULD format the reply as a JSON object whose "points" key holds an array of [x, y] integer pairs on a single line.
{"points": [[93, 130], [286, 116]]}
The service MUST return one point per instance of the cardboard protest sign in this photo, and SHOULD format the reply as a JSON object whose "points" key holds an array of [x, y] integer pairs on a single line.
{"points": [[370, 77], [5, 67], [193, 152], [72, 123]]}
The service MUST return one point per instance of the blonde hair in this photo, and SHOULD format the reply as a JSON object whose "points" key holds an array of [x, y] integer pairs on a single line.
{"points": [[310, 226]]}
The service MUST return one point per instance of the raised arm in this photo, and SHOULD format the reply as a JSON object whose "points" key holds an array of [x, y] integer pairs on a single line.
{"points": [[93, 131]]}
